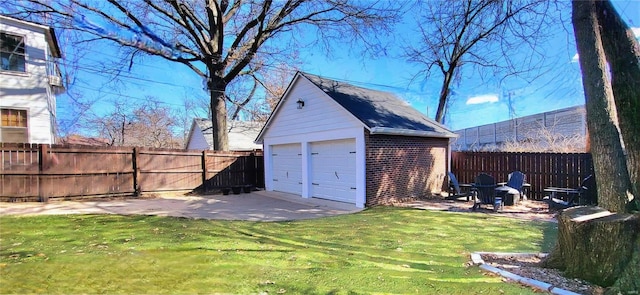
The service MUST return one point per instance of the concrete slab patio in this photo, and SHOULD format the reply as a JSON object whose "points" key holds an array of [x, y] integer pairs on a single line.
{"points": [[255, 206]]}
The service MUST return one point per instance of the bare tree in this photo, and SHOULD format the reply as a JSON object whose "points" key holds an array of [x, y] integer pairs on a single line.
{"points": [[192, 107], [542, 139], [219, 40], [259, 90], [623, 55], [609, 61], [154, 125], [602, 117], [274, 83], [148, 123], [113, 126], [486, 34]]}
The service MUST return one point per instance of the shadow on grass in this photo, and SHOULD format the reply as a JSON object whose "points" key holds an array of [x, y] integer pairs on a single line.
{"points": [[384, 250], [549, 236]]}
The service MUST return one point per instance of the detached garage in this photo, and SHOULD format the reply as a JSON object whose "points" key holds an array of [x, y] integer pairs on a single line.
{"points": [[332, 140]]}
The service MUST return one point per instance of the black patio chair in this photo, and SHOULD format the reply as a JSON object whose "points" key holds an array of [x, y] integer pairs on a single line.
{"points": [[485, 192], [511, 192], [583, 195], [455, 191]]}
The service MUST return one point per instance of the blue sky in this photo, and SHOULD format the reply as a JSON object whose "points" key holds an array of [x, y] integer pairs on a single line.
{"points": [[475, 102]]}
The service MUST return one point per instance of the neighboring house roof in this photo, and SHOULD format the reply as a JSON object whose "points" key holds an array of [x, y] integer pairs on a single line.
{"points": [[75, 139], [380, 112], [49, 33], [241, 135]]}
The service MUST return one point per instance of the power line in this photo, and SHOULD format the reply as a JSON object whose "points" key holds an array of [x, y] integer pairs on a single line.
{"points": [[132, 79], [119, 57], [371, 84], [128, 77], [623, 11], [403, 89], [147, 55], [124, 95], [100, 73]]}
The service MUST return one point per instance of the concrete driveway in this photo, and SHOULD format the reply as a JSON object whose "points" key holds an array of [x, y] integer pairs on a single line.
{"points": [[255, 206]]}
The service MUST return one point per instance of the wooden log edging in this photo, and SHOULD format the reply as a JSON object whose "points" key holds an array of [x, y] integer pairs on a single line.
{"points": [[476, 258]]}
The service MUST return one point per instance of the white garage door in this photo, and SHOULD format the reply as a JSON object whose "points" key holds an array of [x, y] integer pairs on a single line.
{"points": [[287, 168], [333, 170]]}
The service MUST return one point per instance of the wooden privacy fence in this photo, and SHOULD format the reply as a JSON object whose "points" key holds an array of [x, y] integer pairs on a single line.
{"points": [[541, 169], [43, 171]]}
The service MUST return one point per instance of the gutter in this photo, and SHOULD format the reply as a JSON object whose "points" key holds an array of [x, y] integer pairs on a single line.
{"points": [[53, 41], [410, 132]]}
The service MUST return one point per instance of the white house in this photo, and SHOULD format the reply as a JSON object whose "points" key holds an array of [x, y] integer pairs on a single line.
{"points": [[29, 81], [332, 140], [241, 135]]}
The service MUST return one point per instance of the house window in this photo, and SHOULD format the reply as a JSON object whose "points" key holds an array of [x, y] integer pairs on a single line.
{"points": [[13, 125], [12, 53]]}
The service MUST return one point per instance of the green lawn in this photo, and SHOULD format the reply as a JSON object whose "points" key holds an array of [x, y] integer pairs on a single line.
{"points": [[377, 251]]}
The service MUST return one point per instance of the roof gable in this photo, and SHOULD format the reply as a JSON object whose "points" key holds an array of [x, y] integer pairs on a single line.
{"points": [[378, 110], [241, 134]]}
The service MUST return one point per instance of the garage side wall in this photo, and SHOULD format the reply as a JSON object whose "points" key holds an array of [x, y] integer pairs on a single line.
{"points": [[402, 168]]}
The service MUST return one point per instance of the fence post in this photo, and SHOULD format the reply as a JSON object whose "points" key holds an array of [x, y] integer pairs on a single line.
{"points": [[136, 172], [253, 169], [43, 149], [249, 167], [204, 170]]}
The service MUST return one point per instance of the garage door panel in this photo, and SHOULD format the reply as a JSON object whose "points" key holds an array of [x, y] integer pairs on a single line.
{"points": [[287, 168], [333, 170]]}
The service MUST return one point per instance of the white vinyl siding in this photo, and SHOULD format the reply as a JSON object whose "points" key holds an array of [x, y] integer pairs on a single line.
{"points": [[197, 140], [30, 90], [39, 118], [319, 114]]}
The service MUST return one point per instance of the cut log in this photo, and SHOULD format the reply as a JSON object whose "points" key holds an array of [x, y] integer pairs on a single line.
{"points": [[595, 245]]}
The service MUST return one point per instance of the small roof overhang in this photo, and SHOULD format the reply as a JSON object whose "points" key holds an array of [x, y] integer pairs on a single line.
{"points": [[410, 132], [49, 33]]}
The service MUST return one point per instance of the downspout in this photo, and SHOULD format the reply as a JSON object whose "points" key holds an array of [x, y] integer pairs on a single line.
{"points": [[448, 160]]}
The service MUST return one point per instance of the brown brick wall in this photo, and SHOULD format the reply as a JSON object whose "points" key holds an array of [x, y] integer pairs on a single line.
{"points": [[401, 168]]}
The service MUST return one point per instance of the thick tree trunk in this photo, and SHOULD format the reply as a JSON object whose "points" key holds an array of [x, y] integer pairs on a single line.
{"points": [[597, 249], [216, 68], [593, 243], [623, 54], [629, 280], [608, 156], [217, 90], [444, 96], [219, 120]]}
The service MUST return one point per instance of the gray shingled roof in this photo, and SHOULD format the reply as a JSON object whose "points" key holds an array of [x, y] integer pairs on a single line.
{"points": [[381, 112], [241, 134]]}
